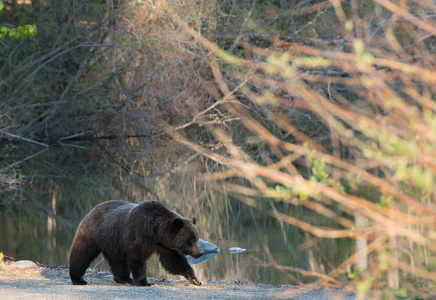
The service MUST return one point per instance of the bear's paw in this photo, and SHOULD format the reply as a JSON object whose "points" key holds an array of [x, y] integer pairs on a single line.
{"points": [[195, 281]]}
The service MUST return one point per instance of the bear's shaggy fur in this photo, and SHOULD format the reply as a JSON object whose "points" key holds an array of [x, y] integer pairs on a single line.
{"points": [[128, 234]]}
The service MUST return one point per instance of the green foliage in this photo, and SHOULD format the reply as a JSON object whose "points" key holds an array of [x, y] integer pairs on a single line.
{"points": [[16, 33], [19, 32], [363, 286], [318, 170], [43, 75]]}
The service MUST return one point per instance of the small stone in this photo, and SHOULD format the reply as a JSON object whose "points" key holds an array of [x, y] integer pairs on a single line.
{"points": [[23, 264]]}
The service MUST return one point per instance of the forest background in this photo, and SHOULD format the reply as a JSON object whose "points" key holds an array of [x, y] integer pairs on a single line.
{"points": [[328, 106]]}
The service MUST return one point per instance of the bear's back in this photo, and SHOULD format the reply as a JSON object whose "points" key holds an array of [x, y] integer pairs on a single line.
{"points": [[154, 208], [149, 214]]}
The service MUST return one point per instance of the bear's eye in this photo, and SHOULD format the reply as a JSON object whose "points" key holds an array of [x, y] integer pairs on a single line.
{"points": [[192, 242]]}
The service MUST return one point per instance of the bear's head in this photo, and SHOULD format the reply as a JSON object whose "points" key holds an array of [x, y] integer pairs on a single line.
{"points": [[186, 237]]}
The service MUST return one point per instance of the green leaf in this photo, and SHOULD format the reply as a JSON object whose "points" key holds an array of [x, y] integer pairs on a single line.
{"points": [[13, 34], [31, 30], [2, 5], [303, 196]]}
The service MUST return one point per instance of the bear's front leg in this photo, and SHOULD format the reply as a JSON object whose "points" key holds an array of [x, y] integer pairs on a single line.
{"points": [[192, 279], [177, 264]]}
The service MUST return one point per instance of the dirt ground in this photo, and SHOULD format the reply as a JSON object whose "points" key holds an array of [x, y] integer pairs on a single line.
{"points": [[53, 282]]}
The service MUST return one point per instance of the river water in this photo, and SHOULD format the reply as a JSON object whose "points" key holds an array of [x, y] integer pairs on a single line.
{"points": [[62, 184]]}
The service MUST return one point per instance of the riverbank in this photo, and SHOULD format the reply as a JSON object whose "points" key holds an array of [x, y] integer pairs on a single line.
{"points": [[53, 282]]}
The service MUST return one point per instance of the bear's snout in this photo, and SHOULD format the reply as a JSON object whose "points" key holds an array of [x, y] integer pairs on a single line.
{"points": [[198, 255], [195, 251]]}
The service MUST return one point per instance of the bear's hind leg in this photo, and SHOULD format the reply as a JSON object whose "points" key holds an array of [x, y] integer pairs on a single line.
{"points": [[177, 264], [81, 255]]}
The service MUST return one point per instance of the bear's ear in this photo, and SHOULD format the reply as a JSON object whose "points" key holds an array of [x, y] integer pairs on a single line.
{"points": [[194, 220], [178, 223]]}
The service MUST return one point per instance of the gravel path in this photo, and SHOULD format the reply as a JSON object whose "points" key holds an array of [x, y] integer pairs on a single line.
{"points": [[46, 282]]}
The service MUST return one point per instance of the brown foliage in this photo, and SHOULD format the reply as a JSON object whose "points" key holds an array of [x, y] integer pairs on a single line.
{"points": [[375, 103]]}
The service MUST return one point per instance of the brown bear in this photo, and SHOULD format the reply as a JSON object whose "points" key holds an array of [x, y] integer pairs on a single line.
{"points": [[128, 234]]}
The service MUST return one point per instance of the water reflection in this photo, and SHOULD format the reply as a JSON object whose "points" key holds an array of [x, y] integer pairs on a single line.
{"points": [[63, 184]]}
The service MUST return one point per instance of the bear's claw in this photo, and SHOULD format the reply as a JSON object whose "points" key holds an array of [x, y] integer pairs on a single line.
{"points": [[195, 281]]}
